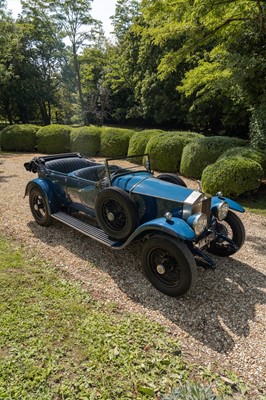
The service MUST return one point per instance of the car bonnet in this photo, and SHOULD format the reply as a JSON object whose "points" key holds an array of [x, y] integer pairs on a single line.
{"points": [[147, 185]]}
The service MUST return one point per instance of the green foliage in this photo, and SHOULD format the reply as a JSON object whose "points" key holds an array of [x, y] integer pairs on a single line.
{"points": [[166, 149], [86, 140], [233, 176], [257, 127], [139, 141], [57, 342], [53, 139], [192, 391], [198, 154], [115, 141], [19, 137], [247, 152]]}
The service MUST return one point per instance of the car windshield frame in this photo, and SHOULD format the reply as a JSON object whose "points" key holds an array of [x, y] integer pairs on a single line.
{"points": [[130, 169]]}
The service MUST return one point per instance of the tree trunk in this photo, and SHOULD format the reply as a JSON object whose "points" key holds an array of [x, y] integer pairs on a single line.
{"points": [[82, 104]]}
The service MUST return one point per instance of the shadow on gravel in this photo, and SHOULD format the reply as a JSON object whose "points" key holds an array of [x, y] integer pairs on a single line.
{"points": [[6, 178], [220, 307]]}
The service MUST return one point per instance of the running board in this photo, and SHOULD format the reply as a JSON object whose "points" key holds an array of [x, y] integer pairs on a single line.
{"points": [[88, 230]]}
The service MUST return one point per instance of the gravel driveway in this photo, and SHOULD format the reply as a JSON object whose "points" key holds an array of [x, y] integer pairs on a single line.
{"points": [[220, 324]]}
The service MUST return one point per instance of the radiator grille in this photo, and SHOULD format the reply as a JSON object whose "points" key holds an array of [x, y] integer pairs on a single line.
{"points": [[203, 206]]}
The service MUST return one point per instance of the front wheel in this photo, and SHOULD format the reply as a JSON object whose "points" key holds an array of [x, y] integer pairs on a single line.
{"points": [[169, 265], [233, 229], [39, 206]]}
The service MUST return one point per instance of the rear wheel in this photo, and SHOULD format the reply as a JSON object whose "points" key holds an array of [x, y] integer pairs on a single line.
{"points": [[232, 228], [40, 207], [172, 178], [169, 265], [116, 213]]}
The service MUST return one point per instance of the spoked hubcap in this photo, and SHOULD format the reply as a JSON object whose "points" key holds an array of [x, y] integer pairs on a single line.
{"points": [[114, 215], [165, 267], [39, 206], [160, 269]]}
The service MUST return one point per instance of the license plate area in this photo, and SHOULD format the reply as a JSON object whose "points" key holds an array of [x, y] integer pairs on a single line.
{"points": [[206, 240]]}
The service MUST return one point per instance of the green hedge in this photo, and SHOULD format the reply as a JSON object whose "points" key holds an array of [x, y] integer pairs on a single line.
{"points": [[19, 137], [139, 141], [86, 140], [247, 152], [53, 139], [198, 154], [115, 142], [166, 148], [232, 175]]}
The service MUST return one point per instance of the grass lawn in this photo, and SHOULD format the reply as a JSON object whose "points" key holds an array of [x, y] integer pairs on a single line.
{"points": [[56, 342]]}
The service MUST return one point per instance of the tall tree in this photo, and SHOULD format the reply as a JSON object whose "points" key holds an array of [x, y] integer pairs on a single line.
{"points": [[80, 29]]}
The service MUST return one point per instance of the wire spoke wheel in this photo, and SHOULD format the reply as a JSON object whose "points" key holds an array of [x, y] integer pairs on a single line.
{"points": [[169, 265], [116, 213], [165, 267], [233, 229], [39, 207]]}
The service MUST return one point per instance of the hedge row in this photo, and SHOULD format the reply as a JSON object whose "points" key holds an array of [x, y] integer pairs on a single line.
{"points": [[233, 176], [91, 140], [198, 154], [224, 163]]}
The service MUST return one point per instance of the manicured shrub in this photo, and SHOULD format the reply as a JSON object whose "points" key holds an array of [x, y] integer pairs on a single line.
{"points": [[188, 134], [86, 140], [115, 141], [205, 151], [247, 152], [165, 151], [139, 141], [19, 137], [232, 175], [53, 139]]}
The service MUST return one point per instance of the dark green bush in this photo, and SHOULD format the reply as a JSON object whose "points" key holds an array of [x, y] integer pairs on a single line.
{"points": [[19, 137], [247, 152], [200, 153], [165, 151], [115, 141], [232, 175], [53, 139], [188, 134], [86, 140], [139, 141]]}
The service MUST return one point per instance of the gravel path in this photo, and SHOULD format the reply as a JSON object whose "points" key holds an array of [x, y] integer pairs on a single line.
{"points": [[221, 323]]}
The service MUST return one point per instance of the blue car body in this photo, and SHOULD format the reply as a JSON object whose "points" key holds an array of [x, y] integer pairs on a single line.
{"points": [[69, 188]]}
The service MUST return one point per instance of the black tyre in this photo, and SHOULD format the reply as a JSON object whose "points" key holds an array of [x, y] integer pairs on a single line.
{"points": [[39, 206], [116, 213], [233, 228], [172, 178], [169, 265]]}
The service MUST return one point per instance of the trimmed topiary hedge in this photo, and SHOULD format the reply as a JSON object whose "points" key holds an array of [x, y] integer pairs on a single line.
{"points": [[19, 137], [139, 141], [165, 150], [53, 139], [115, 141], [200, 153], [247, 152], [232, 175], [86, 140]]}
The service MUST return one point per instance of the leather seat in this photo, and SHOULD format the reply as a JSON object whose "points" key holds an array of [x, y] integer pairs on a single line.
{"points": [[67, 165]]}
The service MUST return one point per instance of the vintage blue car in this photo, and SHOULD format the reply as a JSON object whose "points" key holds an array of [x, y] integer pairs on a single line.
{"points": [[120, 200]]}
